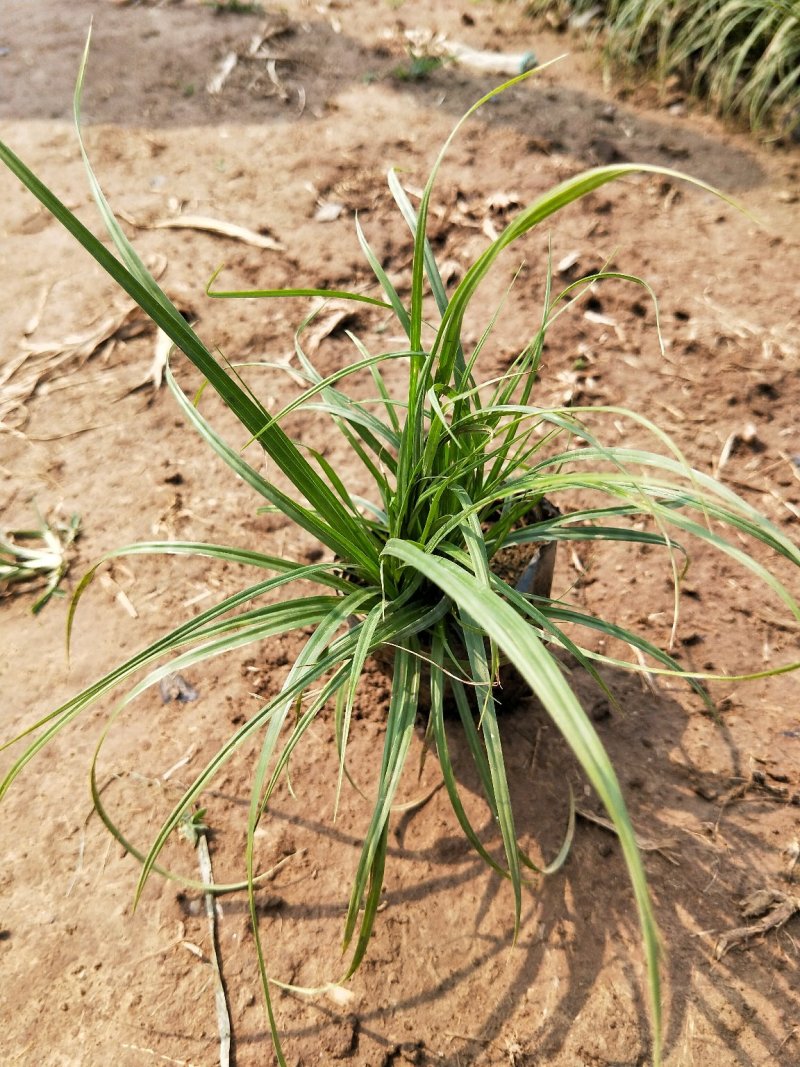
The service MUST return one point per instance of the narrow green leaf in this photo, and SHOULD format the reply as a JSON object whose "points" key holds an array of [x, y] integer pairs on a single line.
{"points": [[520, 644]]}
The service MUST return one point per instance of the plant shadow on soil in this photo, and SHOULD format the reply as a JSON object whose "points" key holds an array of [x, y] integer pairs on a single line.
{"points": [[576, 923]]}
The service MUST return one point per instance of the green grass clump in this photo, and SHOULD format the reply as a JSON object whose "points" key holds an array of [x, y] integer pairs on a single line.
{"points": [[742, 56], [418, 67], [459, 465], [234, 7], [30, 559]]}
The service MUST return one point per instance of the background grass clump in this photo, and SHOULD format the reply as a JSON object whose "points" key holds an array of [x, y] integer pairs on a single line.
{"points": [[742, 56]]}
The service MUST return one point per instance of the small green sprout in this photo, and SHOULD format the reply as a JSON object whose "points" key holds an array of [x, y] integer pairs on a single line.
{"points": [[192, 826], [418, 68], [234, 7]]}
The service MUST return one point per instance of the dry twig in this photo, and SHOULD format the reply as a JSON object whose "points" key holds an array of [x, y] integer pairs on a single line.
{"points": [[194, 830], [775, 907], [645, 844]]}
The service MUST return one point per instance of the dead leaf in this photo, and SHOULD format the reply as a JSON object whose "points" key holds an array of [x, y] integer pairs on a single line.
{"points": [[338, 995], [272, 74], [569, 261], [194, 949], [449, 269], [220, 227], [748, 435], [600, 320], [160, 357], [85, 344], [119, 594], [646, 844], [39, 362], [324, 325], [33, 322], [266, 33], [502, 201], [776, 909], [328, 212], [225, 68], [489, 228]]}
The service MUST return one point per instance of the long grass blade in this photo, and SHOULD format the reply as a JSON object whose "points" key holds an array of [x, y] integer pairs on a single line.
{"points": [[519, 643]]}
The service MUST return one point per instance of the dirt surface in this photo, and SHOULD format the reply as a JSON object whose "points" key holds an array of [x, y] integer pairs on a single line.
{"points": [[88, 980]]}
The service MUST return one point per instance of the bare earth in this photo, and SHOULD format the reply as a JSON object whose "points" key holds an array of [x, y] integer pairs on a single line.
{"points": [[86, 980]]}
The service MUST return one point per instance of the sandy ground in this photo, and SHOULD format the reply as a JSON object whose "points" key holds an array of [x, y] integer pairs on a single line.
{"points": [[86, 980]]}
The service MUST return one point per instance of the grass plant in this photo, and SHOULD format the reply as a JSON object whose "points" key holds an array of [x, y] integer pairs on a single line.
{"points": [[743, 56], [234, 7], [457, 464], [36, 557]]}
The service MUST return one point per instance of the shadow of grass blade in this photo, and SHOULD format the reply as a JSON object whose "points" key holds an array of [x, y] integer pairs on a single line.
{"points": [[399, 730], [519, 643], [439, 734], [181, 635]]}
